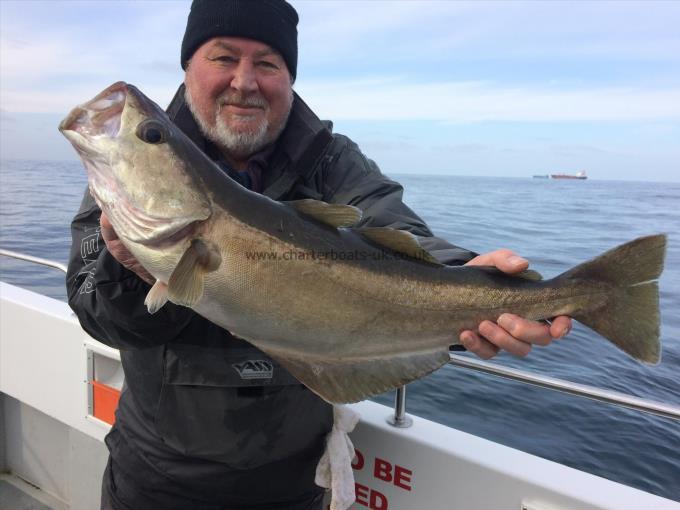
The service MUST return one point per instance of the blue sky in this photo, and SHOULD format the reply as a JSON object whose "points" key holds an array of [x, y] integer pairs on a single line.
{"points": [[471, 88]]}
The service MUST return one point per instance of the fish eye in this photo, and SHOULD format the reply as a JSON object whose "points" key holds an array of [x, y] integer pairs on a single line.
{"points": [[151, 131]]}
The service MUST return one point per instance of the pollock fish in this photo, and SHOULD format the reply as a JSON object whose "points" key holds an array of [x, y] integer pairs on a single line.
{"points": [[350, 312]]}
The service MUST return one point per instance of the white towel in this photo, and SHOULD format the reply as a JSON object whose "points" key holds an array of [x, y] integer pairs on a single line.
{"points": [[334, 470]]}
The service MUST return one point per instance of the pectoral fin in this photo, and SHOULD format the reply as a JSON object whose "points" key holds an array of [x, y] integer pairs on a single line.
{"points": [[185, 286], [157, 297]]}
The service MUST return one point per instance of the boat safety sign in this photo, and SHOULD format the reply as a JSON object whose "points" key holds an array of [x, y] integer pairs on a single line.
{"points": [[379, 481]]}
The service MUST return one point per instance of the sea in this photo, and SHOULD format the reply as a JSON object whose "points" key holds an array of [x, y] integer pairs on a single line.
{"points": [[555, 224]]}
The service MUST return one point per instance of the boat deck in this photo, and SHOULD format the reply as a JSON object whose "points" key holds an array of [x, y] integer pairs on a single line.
{"points": [[17, 494]]}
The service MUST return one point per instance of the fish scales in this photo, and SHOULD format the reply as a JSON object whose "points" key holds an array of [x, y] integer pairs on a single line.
{"points": [[350, 312]]}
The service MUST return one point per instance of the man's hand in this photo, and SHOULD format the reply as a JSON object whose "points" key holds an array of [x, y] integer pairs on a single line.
{"points": [[120, 252], [512, 333]]}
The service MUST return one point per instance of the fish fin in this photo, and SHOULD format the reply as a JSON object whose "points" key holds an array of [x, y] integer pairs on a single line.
{"points": [[351, 380], [527, 274], [185, 286], [400, 241], [334, 215], [630, 317], [157, 297]]}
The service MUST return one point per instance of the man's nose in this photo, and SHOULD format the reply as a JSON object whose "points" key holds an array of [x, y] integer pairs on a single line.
{"points": [[245, 79]]}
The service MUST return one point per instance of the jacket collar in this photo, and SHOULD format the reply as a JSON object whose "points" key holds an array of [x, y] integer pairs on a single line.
{"points": [[291, 151]]}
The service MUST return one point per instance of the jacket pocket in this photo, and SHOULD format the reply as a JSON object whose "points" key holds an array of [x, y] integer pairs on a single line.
{"points": [[236, 406]]}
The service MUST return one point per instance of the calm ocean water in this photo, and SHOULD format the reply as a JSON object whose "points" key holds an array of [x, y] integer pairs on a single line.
{"points": [[555, 224]]}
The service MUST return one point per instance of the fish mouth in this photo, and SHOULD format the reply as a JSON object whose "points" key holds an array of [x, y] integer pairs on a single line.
{"points": [[98, 117], [89, 127], [95, 128]]}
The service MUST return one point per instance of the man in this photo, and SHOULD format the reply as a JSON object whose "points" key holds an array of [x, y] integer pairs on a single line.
{"points": [[190, 433]]}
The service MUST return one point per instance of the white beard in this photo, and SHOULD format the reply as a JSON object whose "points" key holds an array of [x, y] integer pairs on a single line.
{"points": [[237, 144]]}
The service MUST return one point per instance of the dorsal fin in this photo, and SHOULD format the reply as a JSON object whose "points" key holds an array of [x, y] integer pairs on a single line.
{"points": [[527, 274], [334, 215], [400, 241]]}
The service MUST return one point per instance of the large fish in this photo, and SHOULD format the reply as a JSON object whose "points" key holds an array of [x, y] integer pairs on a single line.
{"points": [[350, 312]]}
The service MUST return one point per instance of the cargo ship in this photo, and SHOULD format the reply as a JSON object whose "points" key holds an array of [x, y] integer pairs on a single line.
{"points": [[578, 175]]}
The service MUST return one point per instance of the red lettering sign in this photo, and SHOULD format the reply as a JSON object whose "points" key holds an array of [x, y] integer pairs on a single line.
{"points": [[370, 498], [361, 492], [402, 477], [378, 501], [358, 462], [382, 470]]}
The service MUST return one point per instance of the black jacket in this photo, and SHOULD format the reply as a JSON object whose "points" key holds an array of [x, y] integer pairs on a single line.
{"points": [[187, 421]]}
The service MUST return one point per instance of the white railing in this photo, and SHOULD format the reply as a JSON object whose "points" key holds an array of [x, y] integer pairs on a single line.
{"points": [[35, 260]]}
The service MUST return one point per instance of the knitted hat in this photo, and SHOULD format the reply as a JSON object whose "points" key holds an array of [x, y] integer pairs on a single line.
{"points": [[273, 22]]}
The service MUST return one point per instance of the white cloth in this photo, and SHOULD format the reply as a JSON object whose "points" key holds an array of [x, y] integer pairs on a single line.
{"points": [[334, 470]]}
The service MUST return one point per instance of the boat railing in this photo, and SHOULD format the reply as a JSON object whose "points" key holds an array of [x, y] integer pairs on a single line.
{"points": [[582, 390], [400, 419], [34, 260]]}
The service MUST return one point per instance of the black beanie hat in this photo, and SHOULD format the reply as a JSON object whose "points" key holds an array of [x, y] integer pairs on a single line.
{"points": [[274, 22]]}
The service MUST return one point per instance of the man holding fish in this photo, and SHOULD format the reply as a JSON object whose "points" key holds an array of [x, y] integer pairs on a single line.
{"points": [[206, 420]]}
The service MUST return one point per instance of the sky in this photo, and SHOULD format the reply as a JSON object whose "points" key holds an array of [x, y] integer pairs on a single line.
{"points": [[445, 87]]}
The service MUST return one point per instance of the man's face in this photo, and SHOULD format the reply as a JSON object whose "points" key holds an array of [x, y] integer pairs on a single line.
{"points": [[240, 92]]}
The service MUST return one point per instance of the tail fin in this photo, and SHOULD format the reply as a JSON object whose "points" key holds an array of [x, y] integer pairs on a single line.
{"points": [[630, 319]]}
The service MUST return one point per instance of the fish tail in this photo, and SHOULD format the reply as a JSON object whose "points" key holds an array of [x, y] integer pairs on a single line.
{"points": [[630, 317]]}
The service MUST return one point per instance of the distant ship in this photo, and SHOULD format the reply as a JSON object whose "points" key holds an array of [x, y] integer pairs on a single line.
{"points": [[542, 176], [579, 175]]}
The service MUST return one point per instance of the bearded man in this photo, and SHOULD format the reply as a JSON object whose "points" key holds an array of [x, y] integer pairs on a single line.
{"points": [[191, 432]]}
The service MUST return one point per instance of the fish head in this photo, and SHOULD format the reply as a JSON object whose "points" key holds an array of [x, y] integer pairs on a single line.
{"points": [[138, 172]]}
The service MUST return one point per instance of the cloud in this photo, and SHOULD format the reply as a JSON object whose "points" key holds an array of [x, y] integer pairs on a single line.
{"points": [[578, 150], [494, 159], [60, 53], [165, 66], [436, 31], [62, 101], [24, 62], [392, 98], [56, 54], [413, 74]]}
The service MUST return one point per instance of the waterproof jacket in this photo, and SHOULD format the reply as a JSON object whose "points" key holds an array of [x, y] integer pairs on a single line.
{"points": [[192, 419]]}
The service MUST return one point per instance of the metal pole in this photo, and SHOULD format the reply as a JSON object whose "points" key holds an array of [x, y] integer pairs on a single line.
{"points": [[35, 260], [582, 390], [399, 419]]}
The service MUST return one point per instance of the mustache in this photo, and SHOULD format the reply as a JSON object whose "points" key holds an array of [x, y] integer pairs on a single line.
{"points": [[242, 100]]}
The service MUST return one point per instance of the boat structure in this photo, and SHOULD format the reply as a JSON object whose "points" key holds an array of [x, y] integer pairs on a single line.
{"points": [[59, 389], [577, 176]]}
